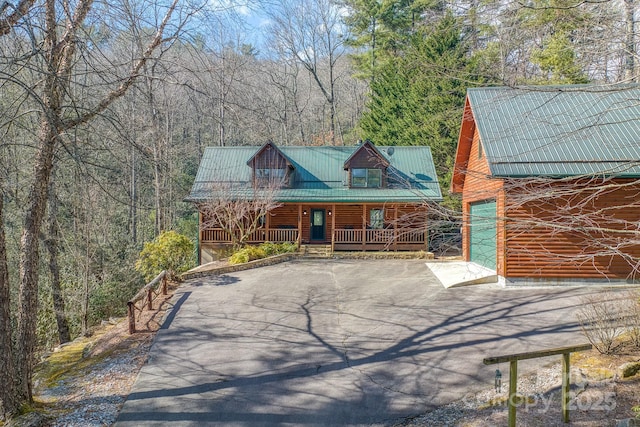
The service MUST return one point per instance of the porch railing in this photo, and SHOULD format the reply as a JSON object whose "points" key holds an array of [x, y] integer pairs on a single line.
{"points": [[215, 235], [218, 235], [347, 235], [283, 235], [398, 235]]}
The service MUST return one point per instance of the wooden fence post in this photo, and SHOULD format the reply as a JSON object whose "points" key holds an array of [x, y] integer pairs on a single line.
{"points": [[513, 375], [566, 386], [513, 392], [131, 314], [160, 282]]}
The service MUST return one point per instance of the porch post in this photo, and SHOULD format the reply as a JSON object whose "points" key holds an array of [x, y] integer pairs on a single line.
{"points": [[426, 230], [364, 227], [395, 228], [333, 227], [267, 225], [299, 225], [199, 248]]}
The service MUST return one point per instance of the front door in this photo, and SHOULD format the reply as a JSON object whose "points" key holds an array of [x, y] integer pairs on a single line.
{"points": [[317, 224]]}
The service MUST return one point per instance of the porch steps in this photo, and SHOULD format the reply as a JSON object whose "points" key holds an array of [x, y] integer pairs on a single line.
{"points": [[316, 251]]}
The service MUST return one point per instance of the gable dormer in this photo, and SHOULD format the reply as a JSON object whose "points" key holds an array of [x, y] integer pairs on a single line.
{"points": [[270, 167], [366, 167]]}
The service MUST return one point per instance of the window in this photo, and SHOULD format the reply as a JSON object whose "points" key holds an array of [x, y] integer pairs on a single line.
{"points": [[376, 218], [371, 178], [270, 176], [479, 150]]}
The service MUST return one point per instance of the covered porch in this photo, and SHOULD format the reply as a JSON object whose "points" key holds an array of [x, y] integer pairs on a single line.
{"points": [[346, 227]]}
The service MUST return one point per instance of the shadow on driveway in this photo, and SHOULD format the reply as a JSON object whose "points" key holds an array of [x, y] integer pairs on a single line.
{"points": [[337, 343]]}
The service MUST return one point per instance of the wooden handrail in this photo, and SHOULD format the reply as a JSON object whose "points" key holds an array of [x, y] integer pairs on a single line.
{"points": [[513, 374], [147, 294]]}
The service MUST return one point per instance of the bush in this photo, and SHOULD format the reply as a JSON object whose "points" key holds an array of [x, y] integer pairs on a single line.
{"points": [[170, 251], [240, 257], [270, 248], [602, 317], [632, 315], [252, 253]]}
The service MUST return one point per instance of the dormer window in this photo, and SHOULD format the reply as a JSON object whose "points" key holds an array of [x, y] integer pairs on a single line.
{"points": [[366, 178], [270, 175], [271, 168], [367, 167]]}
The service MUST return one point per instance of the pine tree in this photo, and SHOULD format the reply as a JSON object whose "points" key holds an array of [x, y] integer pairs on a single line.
{"points": [[418, 98]]}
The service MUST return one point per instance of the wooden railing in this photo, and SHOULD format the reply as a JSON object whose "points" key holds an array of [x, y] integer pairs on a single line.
{"points": [[146, 295], [218, 235], [215, 235], [513, 375], [399, 235], [342, 235], [283, 235]]}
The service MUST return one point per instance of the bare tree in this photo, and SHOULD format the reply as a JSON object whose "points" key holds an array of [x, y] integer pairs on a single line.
{"points": [[59, 46], [311, 32], [630, 40], [238, 211], [52, 245]]}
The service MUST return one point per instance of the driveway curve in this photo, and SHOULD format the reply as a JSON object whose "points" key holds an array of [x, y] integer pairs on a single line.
{"points": [[336, 342]]}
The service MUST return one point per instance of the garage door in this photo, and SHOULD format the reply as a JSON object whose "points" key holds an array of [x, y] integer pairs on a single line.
{"points": [[482, 239]]}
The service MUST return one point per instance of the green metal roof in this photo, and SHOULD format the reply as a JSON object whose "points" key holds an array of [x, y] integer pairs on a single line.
{"points": [[319, 175], [559, 130]]}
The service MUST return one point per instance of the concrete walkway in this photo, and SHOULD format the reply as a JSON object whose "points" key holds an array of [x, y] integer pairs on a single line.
{"points": [[336, 342], [461, 273]]}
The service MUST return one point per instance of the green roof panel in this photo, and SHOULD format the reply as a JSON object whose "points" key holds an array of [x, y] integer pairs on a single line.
{"points": [[320, 175], [559, 130]]}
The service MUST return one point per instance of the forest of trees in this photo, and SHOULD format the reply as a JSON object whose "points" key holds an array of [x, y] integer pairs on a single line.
{"points": [[106, 107]]}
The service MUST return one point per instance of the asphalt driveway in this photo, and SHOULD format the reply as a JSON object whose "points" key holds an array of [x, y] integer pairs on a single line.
{"points": [[336, 342]]}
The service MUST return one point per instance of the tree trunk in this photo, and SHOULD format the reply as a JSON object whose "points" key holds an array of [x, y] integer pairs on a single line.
{"points": [[133, 201], [8, 403], [30, 257], [630, 41], [54, 270]]}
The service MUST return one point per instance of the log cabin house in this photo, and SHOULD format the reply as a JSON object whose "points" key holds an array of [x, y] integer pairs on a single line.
{"points": [[550, 183], [355, 198]]}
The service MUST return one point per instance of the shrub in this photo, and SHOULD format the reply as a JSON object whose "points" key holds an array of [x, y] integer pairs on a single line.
{"points": [[251, 253], [287, 247], [602, 318], [169, 251], [246, 254], [270, 248], [240, 257], [632, 316]]}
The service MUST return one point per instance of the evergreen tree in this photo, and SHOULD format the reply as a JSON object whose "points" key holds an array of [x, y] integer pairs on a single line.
{"points": [[418, 98], [382, 29]]}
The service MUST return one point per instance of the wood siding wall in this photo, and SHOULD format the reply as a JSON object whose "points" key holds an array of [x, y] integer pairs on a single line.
{"points": [[343, 216], [478, 186], [366, 158], [573, 230]]}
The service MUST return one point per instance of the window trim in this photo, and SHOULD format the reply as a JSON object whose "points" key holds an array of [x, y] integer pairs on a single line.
{"points": [[367, 180]]}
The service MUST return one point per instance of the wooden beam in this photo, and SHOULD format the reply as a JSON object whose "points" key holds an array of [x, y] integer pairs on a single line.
{"points": [[395, 228], [513, 392], [364, 227], [512, 403], [299, 225], [535, 354], [566, 385], [333, 226]]}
